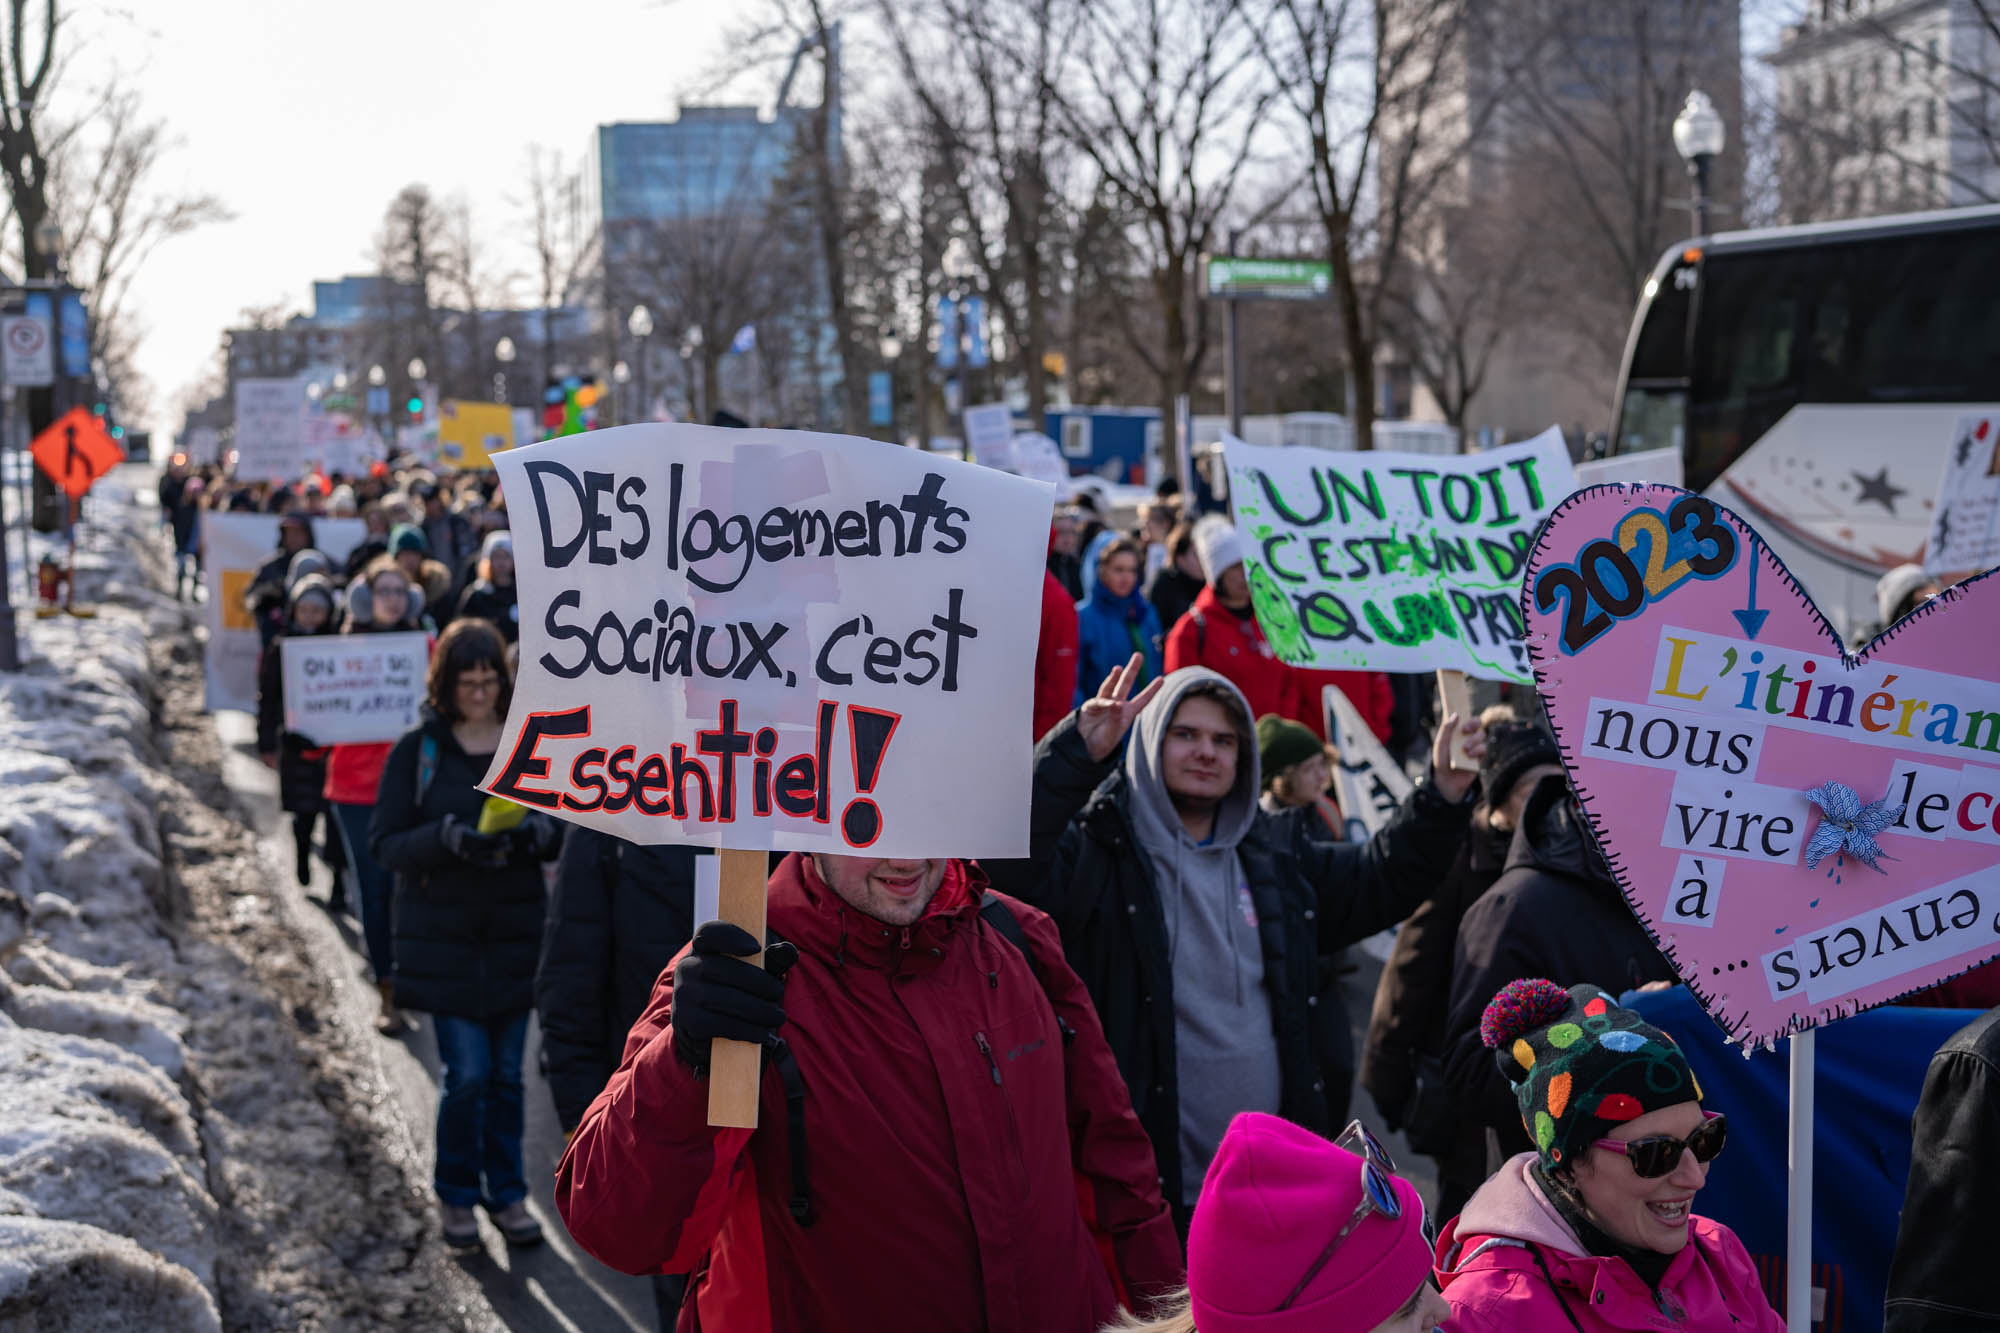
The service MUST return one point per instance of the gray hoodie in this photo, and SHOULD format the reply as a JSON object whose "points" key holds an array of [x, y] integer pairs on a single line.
{"points": [[1227, 1049]]}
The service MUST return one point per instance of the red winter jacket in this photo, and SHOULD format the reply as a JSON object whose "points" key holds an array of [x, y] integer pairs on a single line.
{"points": [[1212, 635], [1369, 691], [1055, 658], [969, 1168]]}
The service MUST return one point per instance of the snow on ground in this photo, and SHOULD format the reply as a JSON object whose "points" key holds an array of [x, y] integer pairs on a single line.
{"points": [[105, 1212]]}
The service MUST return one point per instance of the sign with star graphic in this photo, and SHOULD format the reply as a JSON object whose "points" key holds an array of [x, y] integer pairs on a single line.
{"points": [[1965, 525]]}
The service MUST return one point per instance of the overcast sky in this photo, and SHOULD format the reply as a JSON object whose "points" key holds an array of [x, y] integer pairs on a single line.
{"points": [[306, 119]]}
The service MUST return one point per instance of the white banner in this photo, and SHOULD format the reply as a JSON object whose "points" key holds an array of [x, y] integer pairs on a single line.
{"points": [[270, 430], [343, 689], [1037, 458], [234, 546], [1395, 561], [1367, 782], [773, 639], [338, 444]]}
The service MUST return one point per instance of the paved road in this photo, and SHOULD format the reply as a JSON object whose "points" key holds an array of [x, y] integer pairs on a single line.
{"points": [[555, 1288]]}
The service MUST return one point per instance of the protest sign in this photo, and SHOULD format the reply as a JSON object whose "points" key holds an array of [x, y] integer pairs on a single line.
{"points": [[234, 547], [852, 611], [1038, 458], [1741, 773], [270, 430], [337, 443], [1366, 781], [1965, 522], [343, 689], [470, 433], [1394, 561], [755, 639], [989, 433]]}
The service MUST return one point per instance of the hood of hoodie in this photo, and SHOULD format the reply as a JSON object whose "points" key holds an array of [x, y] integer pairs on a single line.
{"points": [[1088, 560], [1555, 837], [1509, 1206], [1154, 819]]}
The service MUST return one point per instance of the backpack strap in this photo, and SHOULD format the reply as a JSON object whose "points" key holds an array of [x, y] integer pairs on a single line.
{"points": [[994, 911], [427, 765], [1200, 632]]}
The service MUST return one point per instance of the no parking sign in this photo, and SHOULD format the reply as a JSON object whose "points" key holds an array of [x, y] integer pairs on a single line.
{"points": [[26, 351]]}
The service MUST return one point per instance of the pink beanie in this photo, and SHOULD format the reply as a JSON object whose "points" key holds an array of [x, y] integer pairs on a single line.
{"points": [[1273, 1198]]}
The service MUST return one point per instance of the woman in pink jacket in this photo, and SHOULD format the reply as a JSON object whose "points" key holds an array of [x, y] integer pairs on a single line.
{"points": [[1596, 1230]]}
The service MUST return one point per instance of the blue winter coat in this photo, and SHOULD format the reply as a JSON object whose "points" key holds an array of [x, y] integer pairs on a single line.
{"points": [[1105, 629]]}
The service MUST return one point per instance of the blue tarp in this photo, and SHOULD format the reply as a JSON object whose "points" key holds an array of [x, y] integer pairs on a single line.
{"points": [[1870, 1074]]}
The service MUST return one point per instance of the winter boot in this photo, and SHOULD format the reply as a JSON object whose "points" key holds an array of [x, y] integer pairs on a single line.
{"points": [[517, 1224], [390, 1021], [461, 1227]]}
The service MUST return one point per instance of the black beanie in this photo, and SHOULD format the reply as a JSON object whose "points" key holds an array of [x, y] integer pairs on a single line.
{"points": [[1512, 748]]}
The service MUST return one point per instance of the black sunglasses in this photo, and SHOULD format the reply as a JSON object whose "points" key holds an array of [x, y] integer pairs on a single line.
{"points": [[1658, 1154], [1377, 1196]]}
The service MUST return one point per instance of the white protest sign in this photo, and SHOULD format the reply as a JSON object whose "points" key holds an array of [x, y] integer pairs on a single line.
{"points": [[27, 350], [1965, 522], [203, 444], [338, 444], [762, 639], [1394, 561], [1038, 458], [233, 548], [989, 432], [346, 689], [1367, 782], [270, 430]]}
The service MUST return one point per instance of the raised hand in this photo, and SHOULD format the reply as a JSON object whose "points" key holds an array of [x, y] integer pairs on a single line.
{"points": [[1454, 783], [1106, 717]]}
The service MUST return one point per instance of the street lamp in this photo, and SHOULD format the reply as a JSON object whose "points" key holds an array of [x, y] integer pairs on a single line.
{"points": [[640, 326], [417, 369], [503, 352], [340, 382], [1698, 138], [377, 376], [690, 349]]}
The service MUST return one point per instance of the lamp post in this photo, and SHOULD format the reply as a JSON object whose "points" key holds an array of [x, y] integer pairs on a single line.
{"points": [[621, 375], [503, 352], [892, 352], [1698, 138], [958, 268], [640, 326], [691, 343]]}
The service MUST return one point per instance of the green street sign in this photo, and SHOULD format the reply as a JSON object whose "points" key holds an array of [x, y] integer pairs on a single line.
{"points": [[1266, 279]]}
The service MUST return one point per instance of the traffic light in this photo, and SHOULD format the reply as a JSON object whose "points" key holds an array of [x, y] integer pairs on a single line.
{"points": [[98, 409], [416, 405], [117, 432]]}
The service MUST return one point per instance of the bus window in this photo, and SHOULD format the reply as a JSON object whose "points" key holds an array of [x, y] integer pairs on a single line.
{"points": [[1753, 309], [1655, 408], [1933, 334]]}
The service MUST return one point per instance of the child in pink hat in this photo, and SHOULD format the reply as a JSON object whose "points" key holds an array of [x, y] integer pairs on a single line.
{"points": [[1294, 1234]]}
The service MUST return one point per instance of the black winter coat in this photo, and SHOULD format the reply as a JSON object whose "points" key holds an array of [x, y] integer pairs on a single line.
{"points": [[1407, 1023], [1172, 593], [618, 915], [466, 936], [301, 768], [1938, 1281], [1555, 912], [1311, 898]]}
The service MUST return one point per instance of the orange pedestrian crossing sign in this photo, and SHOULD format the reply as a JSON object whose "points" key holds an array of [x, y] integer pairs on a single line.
{"points": [[75, 451]]}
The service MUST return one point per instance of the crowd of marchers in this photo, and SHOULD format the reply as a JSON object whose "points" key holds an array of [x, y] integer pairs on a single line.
{"points": [[1103, 1087]]}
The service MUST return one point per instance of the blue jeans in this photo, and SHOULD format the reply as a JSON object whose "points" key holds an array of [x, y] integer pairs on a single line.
{"points": [[479, 1110], [374, 887]]}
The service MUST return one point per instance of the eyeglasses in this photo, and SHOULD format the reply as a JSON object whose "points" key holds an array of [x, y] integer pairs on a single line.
{"points": [[1658, 1154], [1378, 1195]]}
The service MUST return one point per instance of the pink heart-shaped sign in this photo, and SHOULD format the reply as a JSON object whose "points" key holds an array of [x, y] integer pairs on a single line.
{"points": [[1699, 697]]}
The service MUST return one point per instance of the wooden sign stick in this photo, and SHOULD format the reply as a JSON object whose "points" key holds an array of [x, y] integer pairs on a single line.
{"points": [[735, 1068], [1457, 698]]}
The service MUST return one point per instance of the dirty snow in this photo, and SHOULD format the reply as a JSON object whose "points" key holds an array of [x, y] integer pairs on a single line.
{"points": [[189, 1140]]}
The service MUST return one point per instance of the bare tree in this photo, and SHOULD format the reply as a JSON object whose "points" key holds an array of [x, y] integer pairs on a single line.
{"points": [[411, 252], [26, 75], [985, 74], [112, 218], [1385, 110], [1166, 101], [565, 244]]}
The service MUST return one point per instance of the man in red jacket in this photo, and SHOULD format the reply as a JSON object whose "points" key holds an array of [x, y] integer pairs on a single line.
{"points": [[1220, 633], [973, 1162]]}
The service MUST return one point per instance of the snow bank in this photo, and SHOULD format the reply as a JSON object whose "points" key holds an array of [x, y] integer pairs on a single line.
{"points": [[106, 1218]]}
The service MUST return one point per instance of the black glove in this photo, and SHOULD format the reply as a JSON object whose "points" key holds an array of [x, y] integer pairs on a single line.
{"points": [[538, 837], [718, 992], [468, 844]]}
